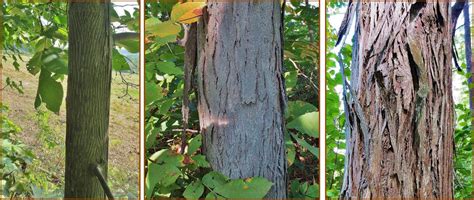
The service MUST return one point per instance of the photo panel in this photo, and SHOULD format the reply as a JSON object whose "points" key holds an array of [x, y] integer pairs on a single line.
{"points": [[70, 100], [399, 100], [231, 99]]}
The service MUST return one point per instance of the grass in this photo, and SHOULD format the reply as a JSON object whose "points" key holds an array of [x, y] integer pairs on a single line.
{"points": [[44, 132]]}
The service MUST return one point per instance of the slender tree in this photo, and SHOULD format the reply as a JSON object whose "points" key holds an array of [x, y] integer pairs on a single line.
{"points": [[88, 97], [241, 90], [401, 114]]}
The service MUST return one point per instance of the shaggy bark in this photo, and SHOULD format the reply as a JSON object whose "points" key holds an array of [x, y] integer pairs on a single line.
{"points": [[88, 98], [241, 91], [401, 117]]}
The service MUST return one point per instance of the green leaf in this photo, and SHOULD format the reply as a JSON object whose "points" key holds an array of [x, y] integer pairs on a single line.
{"points": [[194, 190], [187, 13], [256, 187], [297, 108], [290, 154], [118, 61], [161, 29], [169, 68], [151, 133], [42, 44], [167, 156], [214, 179], [131, 45], [291, 78], [306, 123], [163, 175], [49, 92], [152, 92], [201, 161], [55, 61], [303, 143], [194, 144]]}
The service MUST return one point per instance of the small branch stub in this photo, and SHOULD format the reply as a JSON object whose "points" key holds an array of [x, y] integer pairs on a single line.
{"points": [[100, 175]]}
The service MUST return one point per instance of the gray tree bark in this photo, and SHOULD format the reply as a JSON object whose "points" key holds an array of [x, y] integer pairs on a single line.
{"points": [[401, 115], [88, 97], [241, 91]]}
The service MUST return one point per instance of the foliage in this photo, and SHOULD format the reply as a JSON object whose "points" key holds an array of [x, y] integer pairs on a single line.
{"points": [[38, 34], [15, 158], [171, 174]]}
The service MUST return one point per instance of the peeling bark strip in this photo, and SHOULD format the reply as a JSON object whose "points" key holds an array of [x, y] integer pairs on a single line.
{"points": [[241, 93], [402, 145], [88, 98]]}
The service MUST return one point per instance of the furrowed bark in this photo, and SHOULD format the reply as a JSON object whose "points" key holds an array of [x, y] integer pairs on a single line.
{"points": [[88, 98], [401, 112], [241, 93]]}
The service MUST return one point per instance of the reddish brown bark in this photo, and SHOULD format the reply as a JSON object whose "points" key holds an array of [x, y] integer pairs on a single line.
{"points": [[401, 116]]}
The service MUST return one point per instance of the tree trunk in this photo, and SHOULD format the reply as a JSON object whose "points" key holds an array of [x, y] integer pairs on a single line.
{"points": [[401, 116], [241, 90], [88, 97]]}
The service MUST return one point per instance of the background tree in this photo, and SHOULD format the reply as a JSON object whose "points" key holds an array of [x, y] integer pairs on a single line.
{"points": [[401, 111]]}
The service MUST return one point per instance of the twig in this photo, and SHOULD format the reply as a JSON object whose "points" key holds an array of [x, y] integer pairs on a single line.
{"points": [[100, 175]]}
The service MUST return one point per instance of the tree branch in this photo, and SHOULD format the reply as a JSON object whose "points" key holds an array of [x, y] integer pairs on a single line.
{"points": [[100, 175], [126, 36]]}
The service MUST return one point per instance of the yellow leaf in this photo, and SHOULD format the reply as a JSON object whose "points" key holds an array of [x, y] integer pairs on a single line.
{"points": [[188, 12], [163, 29]]}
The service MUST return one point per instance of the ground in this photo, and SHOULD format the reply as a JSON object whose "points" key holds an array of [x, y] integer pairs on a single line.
{"points": [[44, 132]]}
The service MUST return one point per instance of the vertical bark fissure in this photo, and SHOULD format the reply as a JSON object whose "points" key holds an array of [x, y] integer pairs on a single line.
{"points": [[88, 98]]}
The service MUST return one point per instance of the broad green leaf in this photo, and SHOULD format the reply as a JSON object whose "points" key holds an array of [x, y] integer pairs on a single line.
{"points": [[313, 191], [151, 133], [42, 44], [52, 59], [194, 190], [201, 161], [214, 179], [194, 144], [256, 187], [188, 12], [313, 150], [152, 92], [131, 45], [163, 175], [169, 68], [118, 61], [163, 29], [55, 61], [213, 195], [160, 41], [306, 123], [167, 156], [49, 92], [297, 108]]}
